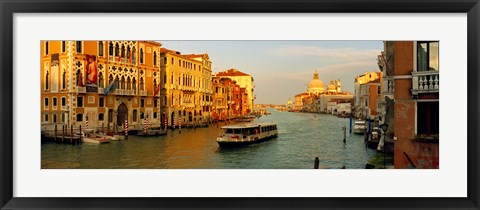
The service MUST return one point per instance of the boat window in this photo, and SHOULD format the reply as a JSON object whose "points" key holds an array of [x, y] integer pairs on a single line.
{"points": [[233, 131]]}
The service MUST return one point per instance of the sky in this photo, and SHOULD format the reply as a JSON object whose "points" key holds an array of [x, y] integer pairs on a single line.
{"points": [[282, 69]]}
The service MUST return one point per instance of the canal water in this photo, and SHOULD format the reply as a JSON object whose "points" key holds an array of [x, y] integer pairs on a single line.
{"points": [[302, 137]]}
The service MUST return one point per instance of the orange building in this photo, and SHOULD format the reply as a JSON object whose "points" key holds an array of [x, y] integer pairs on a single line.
{"points": [[416, 106], [244, 101], [244, 80], [104, 82]]}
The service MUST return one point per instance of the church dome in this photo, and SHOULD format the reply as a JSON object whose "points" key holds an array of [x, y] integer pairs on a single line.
{"points": [[332, 87], [316, 85]]}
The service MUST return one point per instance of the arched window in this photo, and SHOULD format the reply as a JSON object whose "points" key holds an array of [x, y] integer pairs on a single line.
{"points": [[110, 49], [46, 80], [135, 115], [134, 55], [100, 80], [129, 55], [141, 83], [122, 83], [129, 85], [79, 46], [134, 83], [64, 80], [155, 58], [110, 80], [154, 84], [118, 80], [141, 55], [63, 46], [123, 51], [100, 48], [46, 48], [117, 50]]}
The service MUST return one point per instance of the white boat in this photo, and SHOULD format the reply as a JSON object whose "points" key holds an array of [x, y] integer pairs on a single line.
{"points": [[92, 137], [245, 134], [359, 127], [115, 137]]}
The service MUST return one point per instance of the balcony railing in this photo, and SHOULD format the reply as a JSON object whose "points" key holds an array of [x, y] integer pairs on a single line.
{"points": [[388, 86], [118, 91], [143, 92], [81, 89], [425, 82], [122, 60], [100, 90]]}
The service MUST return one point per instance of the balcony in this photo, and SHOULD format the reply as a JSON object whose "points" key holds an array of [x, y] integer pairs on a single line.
{"points": [[119, 92], [81, 89], [143, 92], [131, 92], [388, 86], [100, 90], [425, 82], [122, 60]]}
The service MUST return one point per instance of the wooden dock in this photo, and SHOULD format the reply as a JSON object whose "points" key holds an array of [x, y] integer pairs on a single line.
{"points": [[65, 136]]}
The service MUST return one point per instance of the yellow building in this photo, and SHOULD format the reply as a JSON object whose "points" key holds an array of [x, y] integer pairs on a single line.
{"points": [[186, 88], [220, 99], [106, 82]]}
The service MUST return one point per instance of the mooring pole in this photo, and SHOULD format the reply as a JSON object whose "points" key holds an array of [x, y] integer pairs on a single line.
{"points": [[351, 119], [55, 134], [317, 163]]}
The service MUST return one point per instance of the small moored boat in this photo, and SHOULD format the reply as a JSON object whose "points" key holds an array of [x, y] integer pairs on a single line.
{"points": [[90, 136], [359, 127], [245, 134]]}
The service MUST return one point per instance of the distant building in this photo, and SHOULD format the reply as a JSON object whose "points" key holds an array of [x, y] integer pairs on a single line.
{"points": [[367, 92], [289, 105], [321, 100], [298, 103], [242, 79]]}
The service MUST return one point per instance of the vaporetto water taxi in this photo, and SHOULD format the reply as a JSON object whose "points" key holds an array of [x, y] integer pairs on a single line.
{"points": [[244, 134]]}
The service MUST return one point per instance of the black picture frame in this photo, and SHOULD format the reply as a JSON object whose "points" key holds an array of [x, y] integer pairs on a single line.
{"points": [[10, 7]]}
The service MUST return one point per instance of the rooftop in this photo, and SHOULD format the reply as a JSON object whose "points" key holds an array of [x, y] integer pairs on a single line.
{"points": [[232, 72]]}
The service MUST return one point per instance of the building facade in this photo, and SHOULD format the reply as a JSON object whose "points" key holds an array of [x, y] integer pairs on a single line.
{"points": [[244, 81], [103, 82], [415, 72], [367, 95], [319, 99], [220, 103], [185, 88]]}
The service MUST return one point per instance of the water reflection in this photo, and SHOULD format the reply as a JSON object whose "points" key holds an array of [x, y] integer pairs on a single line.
{"points": [[302, 137]]}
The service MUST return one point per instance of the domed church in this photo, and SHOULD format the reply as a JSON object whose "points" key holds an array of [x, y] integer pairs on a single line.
{"points": [[316, 86], [319, 98]]}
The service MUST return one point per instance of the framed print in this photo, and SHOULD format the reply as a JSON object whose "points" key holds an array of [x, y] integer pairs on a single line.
{"points": [[239, 105]]}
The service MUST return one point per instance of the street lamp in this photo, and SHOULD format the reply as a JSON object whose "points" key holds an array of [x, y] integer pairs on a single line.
{"points": [[384, 128]]}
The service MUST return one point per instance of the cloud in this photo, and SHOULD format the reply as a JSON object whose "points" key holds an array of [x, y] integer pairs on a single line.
{"points": [[345, 54], [347, 67]]}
